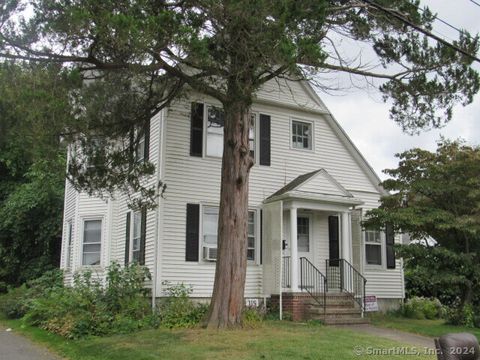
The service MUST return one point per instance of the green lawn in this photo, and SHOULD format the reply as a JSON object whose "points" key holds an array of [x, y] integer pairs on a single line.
{"points": [[270, 340], [433, 328]]}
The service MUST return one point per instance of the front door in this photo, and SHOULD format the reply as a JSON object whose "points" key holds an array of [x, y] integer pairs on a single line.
{"points": [[304, 237], [304, 247]]}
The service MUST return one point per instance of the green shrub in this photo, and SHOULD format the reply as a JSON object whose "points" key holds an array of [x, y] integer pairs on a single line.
{"points": [[16, 303], [177, 310], [253, 316], [12, 304], [92, 308], [422, 308], [464, 316]]}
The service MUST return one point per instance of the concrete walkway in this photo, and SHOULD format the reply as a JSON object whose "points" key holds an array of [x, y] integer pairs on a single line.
{"points": [[16, 347], [419, 341]]}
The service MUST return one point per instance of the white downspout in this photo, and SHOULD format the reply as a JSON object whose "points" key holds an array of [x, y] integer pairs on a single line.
{"points": [[280, 299]]}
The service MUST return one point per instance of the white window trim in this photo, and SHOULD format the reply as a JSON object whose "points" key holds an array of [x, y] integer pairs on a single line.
{"points": [[69, 244], [130, 243], [312, 123], [257, 235], [205, 130], [205, 136], [382, 252], [139, 156], [102, 241], [310, 234], [256, 134]]}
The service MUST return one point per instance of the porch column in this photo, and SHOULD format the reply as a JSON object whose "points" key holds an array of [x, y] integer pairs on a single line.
{"points": [[346, 237], [293, 250]]}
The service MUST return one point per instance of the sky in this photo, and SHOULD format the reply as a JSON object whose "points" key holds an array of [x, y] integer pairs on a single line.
{"points": [[365, 118]]}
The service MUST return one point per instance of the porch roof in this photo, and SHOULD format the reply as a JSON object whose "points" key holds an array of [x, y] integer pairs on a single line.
{"points": [[318, 186]]}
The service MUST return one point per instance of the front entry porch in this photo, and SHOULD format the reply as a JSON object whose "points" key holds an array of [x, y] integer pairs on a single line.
{"points": [[311, 247]]}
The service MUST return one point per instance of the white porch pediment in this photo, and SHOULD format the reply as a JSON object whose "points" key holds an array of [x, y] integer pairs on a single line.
{"points": [[317, 186]]}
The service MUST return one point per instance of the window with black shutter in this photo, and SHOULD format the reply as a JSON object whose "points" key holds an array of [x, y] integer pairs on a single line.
{"points": [[265, 140], [196, 130], [192, 232], [127, 238], [333, 240], [390, 246]]}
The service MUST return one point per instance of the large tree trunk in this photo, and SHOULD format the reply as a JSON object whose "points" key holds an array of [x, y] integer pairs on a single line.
{"points": [[228, 293]]}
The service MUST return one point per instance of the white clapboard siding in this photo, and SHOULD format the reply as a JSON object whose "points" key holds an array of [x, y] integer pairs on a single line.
{"points": [[69, 213], [290, 93], [197, 180], [121, 207], [112, 211], [384, 283]]}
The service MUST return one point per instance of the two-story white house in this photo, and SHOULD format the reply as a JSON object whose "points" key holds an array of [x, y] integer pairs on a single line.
{"points": [[309, 189]]}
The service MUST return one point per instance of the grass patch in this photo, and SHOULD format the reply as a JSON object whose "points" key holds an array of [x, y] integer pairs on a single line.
{"points": [[271, 340], [433, 328]]}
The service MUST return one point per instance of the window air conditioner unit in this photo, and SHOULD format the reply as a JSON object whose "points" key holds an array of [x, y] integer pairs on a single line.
{"points": [[210, 253]]}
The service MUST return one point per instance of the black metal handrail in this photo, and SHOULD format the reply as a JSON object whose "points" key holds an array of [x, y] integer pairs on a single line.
{"points": [[286, 283], [313, 281], [343, 276]]}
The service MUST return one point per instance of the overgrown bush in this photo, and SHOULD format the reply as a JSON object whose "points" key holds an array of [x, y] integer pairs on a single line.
{"points": [[464, 316], [177, 310], [92, 308], [422, 308], [16, 303]]}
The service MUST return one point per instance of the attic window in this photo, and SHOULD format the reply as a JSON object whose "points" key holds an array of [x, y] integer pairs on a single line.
{"points": [[301, 135]]}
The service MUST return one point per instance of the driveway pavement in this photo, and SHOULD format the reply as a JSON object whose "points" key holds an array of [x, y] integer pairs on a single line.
{"points": [[16, 347], [391, 334]]}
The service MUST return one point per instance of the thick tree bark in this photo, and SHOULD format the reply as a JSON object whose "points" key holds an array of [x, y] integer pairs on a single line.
{"points": [[228, 294]]}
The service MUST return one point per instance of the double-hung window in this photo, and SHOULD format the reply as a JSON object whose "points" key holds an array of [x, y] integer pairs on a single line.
{"points": [[207, 123], [373, 247], [68, 255], [140, 149], [251, 238], [251, 135], [92, 242], [302, 135], [215, 125], [210, 238], [136, 236]]}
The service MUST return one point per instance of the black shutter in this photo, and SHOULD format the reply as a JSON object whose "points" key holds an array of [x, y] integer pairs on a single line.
{"points": [[143, 236], [127, 239], [390, 242], [192, 232], [146, 153], [333, 240], [261, 237], [265, 139], [196, 130]]}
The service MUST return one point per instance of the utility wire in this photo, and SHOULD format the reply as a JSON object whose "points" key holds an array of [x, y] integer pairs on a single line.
{"points": [[441, 20], [421, 30], [474, 2]]}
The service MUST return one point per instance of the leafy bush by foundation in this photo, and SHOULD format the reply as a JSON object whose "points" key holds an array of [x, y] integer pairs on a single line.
{"points": [[177, 310]]}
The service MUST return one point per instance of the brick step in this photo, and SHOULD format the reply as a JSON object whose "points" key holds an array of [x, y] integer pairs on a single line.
{"points": [[332, 302], [335, 311], [346, 321]]}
